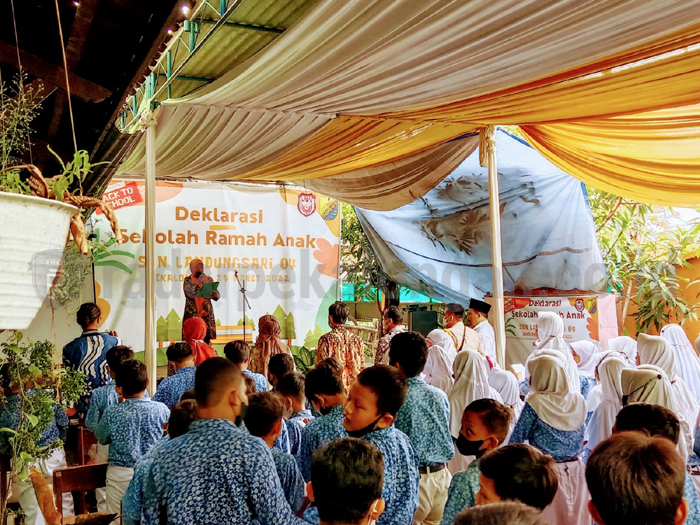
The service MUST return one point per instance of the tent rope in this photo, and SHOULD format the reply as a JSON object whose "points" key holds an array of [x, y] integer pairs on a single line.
{"points": [[65, 69]]}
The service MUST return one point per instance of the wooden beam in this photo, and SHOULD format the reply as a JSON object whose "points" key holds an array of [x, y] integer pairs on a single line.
{"points": [[74, 50], [52, 74]]}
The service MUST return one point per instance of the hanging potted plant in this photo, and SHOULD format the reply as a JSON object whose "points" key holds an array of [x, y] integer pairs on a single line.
{"points": [[38, 214]]}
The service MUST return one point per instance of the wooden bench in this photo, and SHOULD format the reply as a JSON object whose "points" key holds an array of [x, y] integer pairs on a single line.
{"points": [[78, 480]]}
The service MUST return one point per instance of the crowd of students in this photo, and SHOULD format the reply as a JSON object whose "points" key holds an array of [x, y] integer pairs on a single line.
{"points": [[602, 437]]}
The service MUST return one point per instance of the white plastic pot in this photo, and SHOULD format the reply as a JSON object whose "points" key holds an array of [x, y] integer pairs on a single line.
{"points": [[33, 234]]}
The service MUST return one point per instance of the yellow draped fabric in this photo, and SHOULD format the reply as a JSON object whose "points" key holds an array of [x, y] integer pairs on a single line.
{"points": [[651, 157]]}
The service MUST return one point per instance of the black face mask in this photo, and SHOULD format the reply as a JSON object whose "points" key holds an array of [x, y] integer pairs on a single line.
{"points": [[363, 431], [197, 274], [324, 411], [241, 416], [469, 448]]}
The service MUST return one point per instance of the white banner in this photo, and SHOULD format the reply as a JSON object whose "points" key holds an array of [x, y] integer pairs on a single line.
{"points": [[284, 244], [586, 318]]}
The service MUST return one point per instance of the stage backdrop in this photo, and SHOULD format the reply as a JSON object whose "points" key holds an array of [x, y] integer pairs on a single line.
{"points": [[586, 318], [283, 242]]}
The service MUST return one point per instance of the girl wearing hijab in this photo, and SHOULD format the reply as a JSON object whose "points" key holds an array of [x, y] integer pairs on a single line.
{"points": [[649, 384], [194, 331], [550, 333], [506, 385], [553, 420], [584, 353], [199, 306], [267, 345], [601, 424], [686, 358], [441, 356], [625, 345], [471, 383], [654, 350]]}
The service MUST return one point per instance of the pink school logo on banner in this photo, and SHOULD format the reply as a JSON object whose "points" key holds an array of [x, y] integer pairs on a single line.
{"points": [[306, 204]]}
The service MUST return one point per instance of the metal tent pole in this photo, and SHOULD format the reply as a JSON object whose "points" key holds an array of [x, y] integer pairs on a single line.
{"points": [[487, 156], [150, 242]]}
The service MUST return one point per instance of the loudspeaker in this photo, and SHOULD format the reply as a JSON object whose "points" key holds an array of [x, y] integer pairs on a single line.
{"points": [[423, 321]]}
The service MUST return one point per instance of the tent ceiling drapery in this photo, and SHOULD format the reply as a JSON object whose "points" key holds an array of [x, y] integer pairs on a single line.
{"points": [[438, 69]]}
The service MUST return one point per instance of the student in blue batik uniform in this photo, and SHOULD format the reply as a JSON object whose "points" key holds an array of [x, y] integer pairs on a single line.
{"points": [[130, 428], [57, 429], [347, 481], [171, 388], [517, 472], [425, 419], [135, 507], [87, 353], [102, 397], [291, 389], [280, 365], [264, 420], [217, 472], [553, 420], [658, 421], [238, 352], [374, 400], [484, 427], [324, 388]]}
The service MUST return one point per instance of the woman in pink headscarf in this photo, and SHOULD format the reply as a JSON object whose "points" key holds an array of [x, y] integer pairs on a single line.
{"points": [[268, 344], [199, 306]]}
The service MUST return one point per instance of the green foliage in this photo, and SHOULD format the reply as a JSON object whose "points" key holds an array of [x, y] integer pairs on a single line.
{"points": [[37, 391], [72, 174], [642, 251], [304, 358], [358, 263], [19, 106]]}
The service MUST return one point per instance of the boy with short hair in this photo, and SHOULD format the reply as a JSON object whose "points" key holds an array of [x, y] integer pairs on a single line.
{"points": [[485, 424], [217, 472], [291, 390], [658, 421], [347, 480], [506, 513], [134, 504], [238, 352], [370, 410], [324, 388], [636, 479], [280, 365], [425, 419], [264, 420], [171, 388], [517, 472], [131, 428]]}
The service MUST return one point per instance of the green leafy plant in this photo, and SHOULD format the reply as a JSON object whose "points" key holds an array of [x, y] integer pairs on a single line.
{"points": [[304, 358], [642, 252], [19, 106], [35, 389]]}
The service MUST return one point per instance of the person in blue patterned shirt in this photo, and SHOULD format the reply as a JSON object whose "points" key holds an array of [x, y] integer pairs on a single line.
{"points": [[280, 365], [291, 390], [238, 352], [217, 472], [347, 482], [136, 510], [658, 421], [324, 387], [425, 419], [264, 420], [485, 425], [373, 402], [102, 397], [171, 388], [131, 428]]}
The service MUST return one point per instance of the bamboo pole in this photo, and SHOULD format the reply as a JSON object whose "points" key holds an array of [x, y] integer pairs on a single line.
{"points": [[487, 157], [150, 241]]}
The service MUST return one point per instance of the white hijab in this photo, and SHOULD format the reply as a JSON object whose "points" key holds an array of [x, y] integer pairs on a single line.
{"points": [[471, 383], [506, 385], [627, 346], [550, 329], [587, 352], [649, 384], [550, 396], [441, 355], [654, 350], [687, 359], [601, 423]]}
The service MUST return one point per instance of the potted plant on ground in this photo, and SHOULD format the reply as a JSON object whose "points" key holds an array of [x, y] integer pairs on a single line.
{"points": [[37, 213]]}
